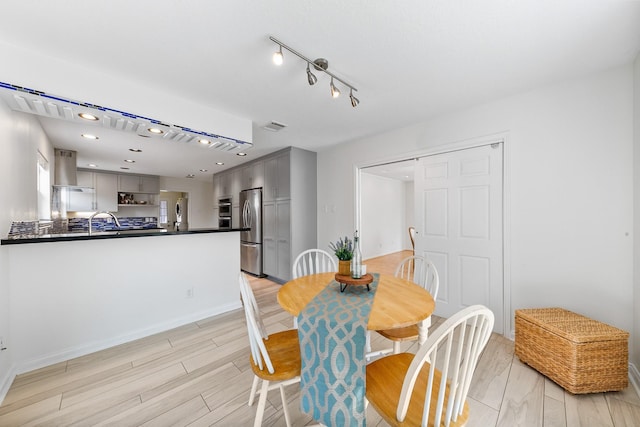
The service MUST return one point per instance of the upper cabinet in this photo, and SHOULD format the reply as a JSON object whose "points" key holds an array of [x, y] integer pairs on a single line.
{"points": [[277, 177], [253, 175], [103, 198], [138, 183]]}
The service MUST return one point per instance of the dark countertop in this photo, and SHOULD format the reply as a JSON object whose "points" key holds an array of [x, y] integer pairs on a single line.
{"points": [[70, 237]]}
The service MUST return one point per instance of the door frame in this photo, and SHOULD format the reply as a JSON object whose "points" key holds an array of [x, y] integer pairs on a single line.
{"points": [[508, 324]]}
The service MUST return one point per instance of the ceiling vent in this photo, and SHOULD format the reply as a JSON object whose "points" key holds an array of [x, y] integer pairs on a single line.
{"points": [[274, 127]]}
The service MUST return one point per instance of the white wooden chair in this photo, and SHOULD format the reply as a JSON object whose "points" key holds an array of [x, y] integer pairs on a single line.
{"points": [[421, 271], [313, 261], [412, 237], [430, 388], [275, 358]]}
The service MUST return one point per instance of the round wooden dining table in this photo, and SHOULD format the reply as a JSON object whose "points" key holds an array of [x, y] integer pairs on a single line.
{"points": [[397, 302]]}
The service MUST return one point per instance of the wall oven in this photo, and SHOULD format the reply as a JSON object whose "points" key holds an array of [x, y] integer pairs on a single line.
{"points": [[224, 213]]}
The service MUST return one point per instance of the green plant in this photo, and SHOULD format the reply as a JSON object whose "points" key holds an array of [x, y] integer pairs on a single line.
{"points": [[343, 249]]}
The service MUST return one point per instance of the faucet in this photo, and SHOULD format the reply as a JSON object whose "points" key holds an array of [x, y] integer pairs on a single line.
{"points": [[102, 212]]}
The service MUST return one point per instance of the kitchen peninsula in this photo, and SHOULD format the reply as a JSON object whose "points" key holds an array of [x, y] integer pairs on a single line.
{"points": [[78, 294]]}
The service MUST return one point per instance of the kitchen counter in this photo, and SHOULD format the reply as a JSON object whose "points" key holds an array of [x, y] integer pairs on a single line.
{"points": [[71, 299], [100, 235]]}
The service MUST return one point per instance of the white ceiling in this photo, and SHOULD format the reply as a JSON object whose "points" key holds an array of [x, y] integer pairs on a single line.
{"points": [[410, 60]]}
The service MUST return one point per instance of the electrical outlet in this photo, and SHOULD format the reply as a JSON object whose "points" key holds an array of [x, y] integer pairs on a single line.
{"points": [[190, 292]]}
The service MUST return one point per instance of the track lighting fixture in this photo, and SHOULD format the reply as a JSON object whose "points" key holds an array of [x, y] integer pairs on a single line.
{"points": [[311, 77], [354, 101], [319, 64]]}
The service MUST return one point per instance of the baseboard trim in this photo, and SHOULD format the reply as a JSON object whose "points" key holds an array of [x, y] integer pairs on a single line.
{"points": [[634, 377], [82, 350], [5, 383]]}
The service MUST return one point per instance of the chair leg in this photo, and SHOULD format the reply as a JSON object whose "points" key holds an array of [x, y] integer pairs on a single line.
{"points": [[396, 347], [254, 387], [295, 322], [368, 342], [262, 402], [285, 408]]}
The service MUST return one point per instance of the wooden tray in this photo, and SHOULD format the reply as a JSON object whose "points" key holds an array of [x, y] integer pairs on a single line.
{"points": [[346, 280]]}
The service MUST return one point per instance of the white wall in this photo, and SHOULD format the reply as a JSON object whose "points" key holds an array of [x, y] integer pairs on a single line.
{"points": [[635, 349], [570, 195], [201, 214], [20, 139], [384, 225], [93, 294]]}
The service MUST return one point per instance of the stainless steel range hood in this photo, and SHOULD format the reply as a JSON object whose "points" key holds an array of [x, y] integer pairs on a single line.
{"points": [[65, 172]]}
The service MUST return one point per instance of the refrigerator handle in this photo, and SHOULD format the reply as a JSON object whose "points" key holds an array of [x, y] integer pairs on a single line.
{"points": [[246, 215]]}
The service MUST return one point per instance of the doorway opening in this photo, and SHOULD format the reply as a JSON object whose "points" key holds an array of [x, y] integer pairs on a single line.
{"points": [[416, 208], [169, 202]]}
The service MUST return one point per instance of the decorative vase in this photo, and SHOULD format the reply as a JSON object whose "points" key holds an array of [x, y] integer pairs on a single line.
{"points": [[344, 267]]}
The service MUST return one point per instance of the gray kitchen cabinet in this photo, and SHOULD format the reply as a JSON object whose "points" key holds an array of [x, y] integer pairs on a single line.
{"points": [[235, 183], [104, 197], [128, 183], [289, 221], [277, 238], [253, 175], [277, 177], [289, 215]]}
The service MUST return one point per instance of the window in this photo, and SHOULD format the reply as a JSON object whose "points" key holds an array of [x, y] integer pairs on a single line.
{"points": [[44, 188], [163, 212]]}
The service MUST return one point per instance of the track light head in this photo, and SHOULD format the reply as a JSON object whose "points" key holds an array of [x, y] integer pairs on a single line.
{"points": [[277, 57], [311, 78], [354, 101], [335, 92]]}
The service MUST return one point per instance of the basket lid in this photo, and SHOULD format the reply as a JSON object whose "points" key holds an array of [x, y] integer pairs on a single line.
{"points": [[571, 326]]}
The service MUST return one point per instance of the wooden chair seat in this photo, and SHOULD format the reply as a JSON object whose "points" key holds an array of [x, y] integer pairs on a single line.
{"points": [[385, 378], [407, 333], [284, 351]]}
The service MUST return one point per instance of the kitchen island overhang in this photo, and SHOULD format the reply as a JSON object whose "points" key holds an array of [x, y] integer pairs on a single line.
{"points": [[90, 293], [114, 234]]}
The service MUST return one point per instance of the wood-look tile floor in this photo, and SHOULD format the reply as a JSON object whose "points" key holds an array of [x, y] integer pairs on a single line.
{"points": [[199, 375]]}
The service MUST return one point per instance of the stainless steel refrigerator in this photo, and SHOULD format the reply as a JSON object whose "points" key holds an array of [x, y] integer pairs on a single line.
{"points": [[251, 240]]}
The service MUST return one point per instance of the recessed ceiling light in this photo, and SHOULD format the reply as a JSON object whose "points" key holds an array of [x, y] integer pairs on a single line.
{"points": [[156, 131], [92, 165], [124, 168], [89, 136], [88, 116], [129, 161], [135, 150], [219, 163], [190, 176], [203, 170], [241, 154], [204, 141]]}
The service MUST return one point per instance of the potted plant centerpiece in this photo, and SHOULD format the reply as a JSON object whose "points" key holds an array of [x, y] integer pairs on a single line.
{"points": [[343, 249]]}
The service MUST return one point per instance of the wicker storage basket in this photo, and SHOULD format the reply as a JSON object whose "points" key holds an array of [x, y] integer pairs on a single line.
{"points": [[580, 354]]}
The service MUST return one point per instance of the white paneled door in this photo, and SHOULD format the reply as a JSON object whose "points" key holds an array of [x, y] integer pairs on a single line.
{"points": [[458, 203]]}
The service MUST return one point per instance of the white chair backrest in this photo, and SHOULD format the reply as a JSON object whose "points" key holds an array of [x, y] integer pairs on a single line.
{"points": [[454, 349], [255, 326], [421, 271], [313, 261]]}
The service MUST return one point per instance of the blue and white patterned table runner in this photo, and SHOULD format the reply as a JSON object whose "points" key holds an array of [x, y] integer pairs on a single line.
{"points": [[332, 330]]}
